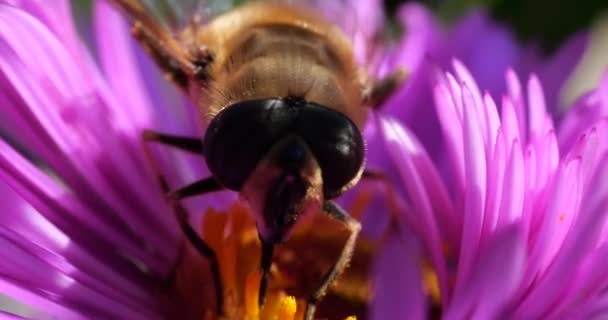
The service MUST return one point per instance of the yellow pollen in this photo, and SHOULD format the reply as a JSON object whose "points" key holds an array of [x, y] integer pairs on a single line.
{"points": [[351, 318], [431, 283], [288, 308]]}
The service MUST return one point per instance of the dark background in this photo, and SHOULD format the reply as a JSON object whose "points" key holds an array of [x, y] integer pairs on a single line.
{"points": [[546, 21]]}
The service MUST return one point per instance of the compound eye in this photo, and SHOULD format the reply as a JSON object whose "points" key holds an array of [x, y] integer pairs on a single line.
{"points": [[240, 135], [337, 145]]}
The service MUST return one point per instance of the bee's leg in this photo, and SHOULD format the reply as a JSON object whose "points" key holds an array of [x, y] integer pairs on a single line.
{"points": [[179, 65], [192, 144], [265, 264], [353, 226], [160, 43], [376, 91], [154, 47], [197, 188]]}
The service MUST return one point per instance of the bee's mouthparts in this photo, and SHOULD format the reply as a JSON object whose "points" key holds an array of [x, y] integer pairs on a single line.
{"points": [[284, 203]]}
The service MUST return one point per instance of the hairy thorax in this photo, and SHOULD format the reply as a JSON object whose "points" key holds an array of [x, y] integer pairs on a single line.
{"points": [[280, 60]]}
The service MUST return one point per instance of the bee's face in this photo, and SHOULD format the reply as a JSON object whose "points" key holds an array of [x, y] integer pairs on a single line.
{"points": [[242, 134], [283, 155]]}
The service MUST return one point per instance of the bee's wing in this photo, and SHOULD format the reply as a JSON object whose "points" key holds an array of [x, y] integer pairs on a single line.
{"points": [[176, 14]]}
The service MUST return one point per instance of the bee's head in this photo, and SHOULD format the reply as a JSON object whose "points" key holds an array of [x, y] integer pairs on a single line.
{"points": [[285, 156]]}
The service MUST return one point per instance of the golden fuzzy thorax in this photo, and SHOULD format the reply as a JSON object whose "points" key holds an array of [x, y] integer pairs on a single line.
{"points": [[266, 50]]}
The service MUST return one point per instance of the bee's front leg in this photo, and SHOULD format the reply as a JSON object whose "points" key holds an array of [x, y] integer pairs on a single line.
{"points": [[334, 211], [178, 64], [376, 91]]}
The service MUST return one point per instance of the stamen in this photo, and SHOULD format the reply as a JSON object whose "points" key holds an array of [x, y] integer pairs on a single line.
{"points": [[251, 295], [296, 269]]}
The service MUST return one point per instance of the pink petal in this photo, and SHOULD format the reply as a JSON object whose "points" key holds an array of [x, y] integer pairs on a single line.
{"points": [[581, 239], [399, 289], [590, 279], [548, 158], [116, 48], [403, 150], [34, 300], [560, 197], [495, 185], [494, 279], [509, 122], [517, 100], [530, 197], [467, 80], [491, 118], [475, 190], [452, 129], [536, 109], [512, 200]]}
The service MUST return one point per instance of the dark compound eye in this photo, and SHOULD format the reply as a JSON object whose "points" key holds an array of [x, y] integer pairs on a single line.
{"points": [[336, 143], [240, 135]]}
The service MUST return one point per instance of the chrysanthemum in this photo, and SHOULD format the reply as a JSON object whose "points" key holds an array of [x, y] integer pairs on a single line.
{"points": [[515, 227], [86, 233]]}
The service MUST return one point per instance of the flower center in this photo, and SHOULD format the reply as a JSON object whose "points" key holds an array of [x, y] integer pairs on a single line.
{"points": [[298, 268]]}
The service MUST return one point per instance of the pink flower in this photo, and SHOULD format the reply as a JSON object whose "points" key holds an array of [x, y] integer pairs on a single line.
{"points": [[506, 217], [516, 226]]}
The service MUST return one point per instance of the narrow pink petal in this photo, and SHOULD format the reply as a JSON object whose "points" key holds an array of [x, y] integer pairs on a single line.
{"points": [[581, 239], [594, 308], [512, 200], [455, 90], [513, 86], [39, 302], [467, 80], [496, 166], [96, 232], [429, 175], [69, 118], [399, 289], [494, 279], [548, 158], [537, 109], [452, 129], [22, 266], [509, 123], [492, 118], [116, 49], [519, 107], [57, 16], [530, 197], [590, 279], [560, 196], [586, 148], [403, 151], [475, 191]]}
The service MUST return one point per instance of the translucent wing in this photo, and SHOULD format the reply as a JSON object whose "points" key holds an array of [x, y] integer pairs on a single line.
{"points": [[178, 13]]}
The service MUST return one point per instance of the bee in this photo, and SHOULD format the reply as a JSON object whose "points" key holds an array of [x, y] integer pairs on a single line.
{"points": [[283, 102]]}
